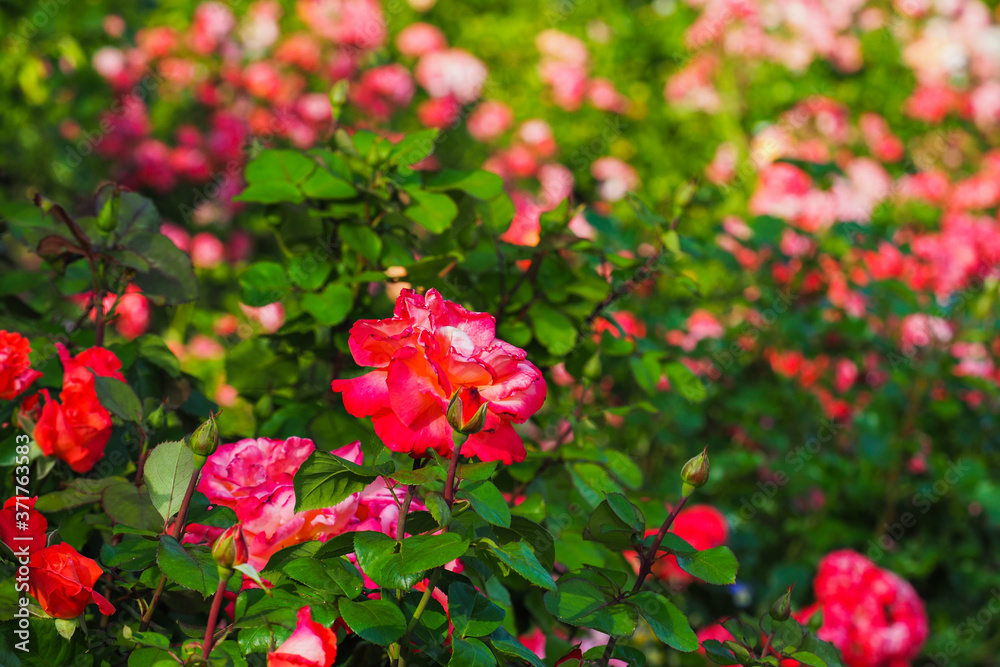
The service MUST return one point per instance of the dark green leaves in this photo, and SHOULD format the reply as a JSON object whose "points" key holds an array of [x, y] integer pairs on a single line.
{"points": [[325, 480], [377, 621], [483, 185], [168, 472], [472, 613]]}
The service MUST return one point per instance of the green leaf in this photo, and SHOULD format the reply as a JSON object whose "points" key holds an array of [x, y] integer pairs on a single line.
{"points": [[807, 658], [512, 647], [519, 557], [481, 184], [331, 306], [438, 508], [118, 398], [472, 613], [646, 370], [471, 653], [667, 622], [553, 329], [324, 481], [168, 473], [170, 279], [487, 502], [616, 523], [423, 552], [377, 621], [324, 185], [131, 555], [497, 213], [334, 575], [682, 379], [713, 566], [718, 653], [263, 283], [379, 557], [362, 239], [432, 628], [184, 569], [413, 148], [271, 192], [126, 504], [434, 212]]}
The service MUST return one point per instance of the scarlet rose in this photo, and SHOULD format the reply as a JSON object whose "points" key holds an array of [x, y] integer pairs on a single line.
{"points": [[77, 429], [15, 367], [31, 535], [63, 582], [430, 349], [311, 645]]}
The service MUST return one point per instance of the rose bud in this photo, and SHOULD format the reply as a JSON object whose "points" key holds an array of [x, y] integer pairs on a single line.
{"points": [[782, 608], [456, 416], [205, 440], [695, 473], [230, 549]]}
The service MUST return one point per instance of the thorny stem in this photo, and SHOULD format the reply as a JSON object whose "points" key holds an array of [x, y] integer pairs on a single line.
{"points": [[213, 615], [648, 558], [767, 645], [449, 485]]}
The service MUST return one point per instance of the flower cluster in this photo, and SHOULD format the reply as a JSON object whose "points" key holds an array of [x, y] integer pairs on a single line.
{"points": [[430, 350]]}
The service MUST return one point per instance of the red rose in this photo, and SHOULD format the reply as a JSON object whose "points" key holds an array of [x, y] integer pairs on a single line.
{"points": [[32, 536], [15, 367], [63, 582], [311, 645], [430, 349], [77, 429]]}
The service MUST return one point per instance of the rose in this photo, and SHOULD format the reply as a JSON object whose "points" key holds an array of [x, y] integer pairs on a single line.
{"points": [[77, 429], [15, 366], [254, 479], [311, 645], [430, 349], [63, 582], [33, 537]]}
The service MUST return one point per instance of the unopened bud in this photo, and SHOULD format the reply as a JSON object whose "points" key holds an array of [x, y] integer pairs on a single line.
{"points": [[230, 549], [338, 96], [781, 610], [456, 416], [205, 439], [694, 474], [156, 418], [107, 218], [739, 651]]}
